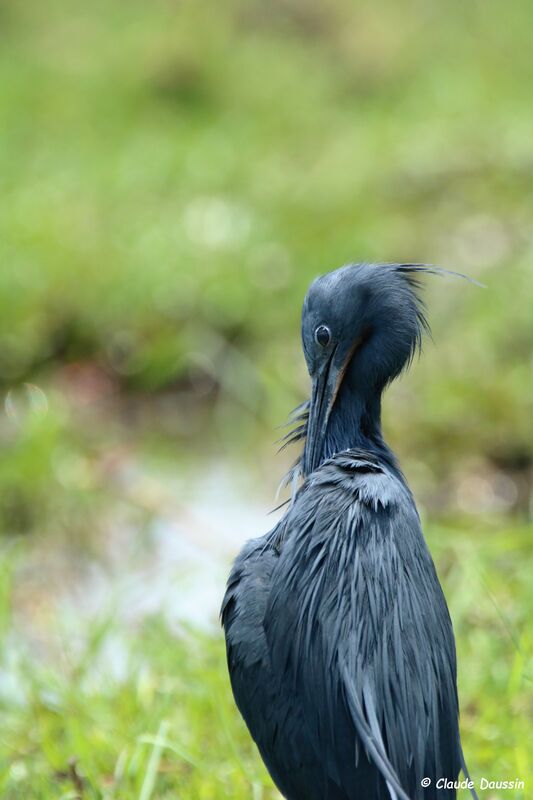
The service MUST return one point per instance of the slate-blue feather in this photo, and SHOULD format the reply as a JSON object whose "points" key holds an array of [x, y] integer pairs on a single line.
{"points": [[340, 646]]}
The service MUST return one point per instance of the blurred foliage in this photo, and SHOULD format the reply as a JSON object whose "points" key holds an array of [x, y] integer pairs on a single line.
{"points": [[175, 174]]}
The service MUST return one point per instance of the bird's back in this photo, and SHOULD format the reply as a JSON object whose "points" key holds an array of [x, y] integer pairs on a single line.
{"points": [[340, 646]]}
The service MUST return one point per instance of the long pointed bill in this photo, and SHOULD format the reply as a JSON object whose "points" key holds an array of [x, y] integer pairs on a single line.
{"points": [[325, 387]]}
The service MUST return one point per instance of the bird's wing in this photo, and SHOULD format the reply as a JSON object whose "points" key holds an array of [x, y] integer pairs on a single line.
{"points": [[242, 615], [357, 625], [267, 705]]}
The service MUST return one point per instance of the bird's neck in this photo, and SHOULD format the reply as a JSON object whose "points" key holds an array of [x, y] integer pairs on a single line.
{"points": [[355, 423]]}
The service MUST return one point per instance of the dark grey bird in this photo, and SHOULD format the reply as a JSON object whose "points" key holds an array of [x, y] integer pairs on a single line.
{"points": [[340, 647]]}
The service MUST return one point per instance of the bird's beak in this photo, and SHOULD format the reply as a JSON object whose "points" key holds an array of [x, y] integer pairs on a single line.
{"points": [[324, 391], [326, 385]]}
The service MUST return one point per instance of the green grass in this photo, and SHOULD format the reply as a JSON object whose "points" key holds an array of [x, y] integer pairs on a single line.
{"points": [[164, 725]]}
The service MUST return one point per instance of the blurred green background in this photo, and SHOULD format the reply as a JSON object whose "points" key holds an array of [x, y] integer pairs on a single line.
{"points": [[174, 174]]}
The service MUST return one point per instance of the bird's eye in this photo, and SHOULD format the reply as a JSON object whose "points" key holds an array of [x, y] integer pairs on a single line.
{"points": [[322, 335]]}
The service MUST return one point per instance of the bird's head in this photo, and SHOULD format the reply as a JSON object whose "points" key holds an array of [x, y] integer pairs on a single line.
{"points": [[361, 325]]}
